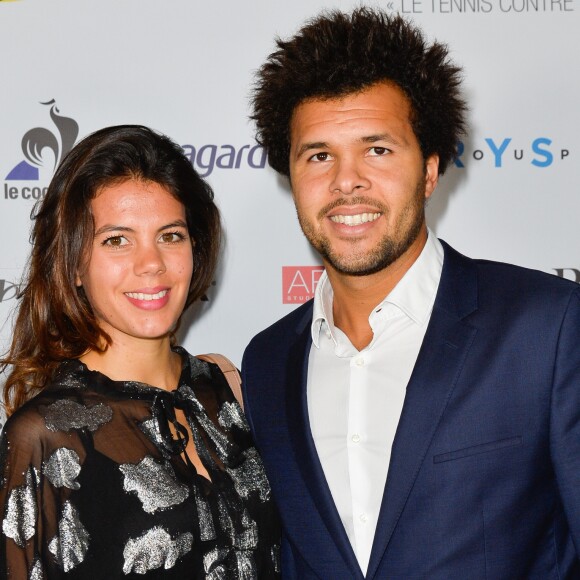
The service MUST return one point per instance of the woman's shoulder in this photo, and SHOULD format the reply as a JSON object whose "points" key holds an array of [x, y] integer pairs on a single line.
{"points": [[67, 387], [213, 369], [26, 421], [195, 363], [219, 395], [26, 432]]}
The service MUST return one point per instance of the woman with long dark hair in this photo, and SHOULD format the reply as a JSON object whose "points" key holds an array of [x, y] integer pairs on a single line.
{"points": [[124, 456]]}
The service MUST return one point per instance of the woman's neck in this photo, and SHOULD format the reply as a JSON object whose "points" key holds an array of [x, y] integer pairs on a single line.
{"points": [[151, 362]]}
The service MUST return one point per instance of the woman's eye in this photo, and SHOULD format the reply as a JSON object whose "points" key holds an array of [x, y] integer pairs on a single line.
{"points": [[115, 241], [172, 237]]}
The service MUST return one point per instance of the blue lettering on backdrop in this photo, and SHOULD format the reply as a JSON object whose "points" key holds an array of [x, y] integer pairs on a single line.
{"points": [[542, 152], [261, 163], [207, 157], [460, 150], [206, 162], [498, 152], [539, 153], [229, 156]]}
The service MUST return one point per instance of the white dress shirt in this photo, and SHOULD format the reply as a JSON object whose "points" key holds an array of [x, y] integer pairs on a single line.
{"points": [[355, 398]]}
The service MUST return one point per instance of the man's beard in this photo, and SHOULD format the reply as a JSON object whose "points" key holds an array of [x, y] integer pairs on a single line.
{"points": [[389, 249]]}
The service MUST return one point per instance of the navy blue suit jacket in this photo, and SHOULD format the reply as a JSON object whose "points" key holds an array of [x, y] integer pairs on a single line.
{"points": [[484, 477]]}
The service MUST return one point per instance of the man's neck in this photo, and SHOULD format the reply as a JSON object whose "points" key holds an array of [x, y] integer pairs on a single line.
{"points": [[356, 296]]}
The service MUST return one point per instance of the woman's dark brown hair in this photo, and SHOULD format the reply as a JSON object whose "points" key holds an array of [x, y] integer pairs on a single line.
{"points": [[55, 320]]}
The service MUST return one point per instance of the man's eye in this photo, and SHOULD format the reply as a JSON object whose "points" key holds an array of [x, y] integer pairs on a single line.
{"points": [[378, 151], [322, 156], [115, 241]]}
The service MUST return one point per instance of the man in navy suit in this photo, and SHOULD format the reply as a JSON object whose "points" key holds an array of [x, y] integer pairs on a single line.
{"points": [[420, 418]]}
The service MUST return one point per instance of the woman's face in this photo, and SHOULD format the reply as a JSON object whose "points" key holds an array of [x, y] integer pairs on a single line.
{"points": [[138, 274]]}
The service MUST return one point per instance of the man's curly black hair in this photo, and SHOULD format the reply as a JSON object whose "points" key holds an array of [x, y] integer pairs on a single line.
{"points": [[337, 54]]}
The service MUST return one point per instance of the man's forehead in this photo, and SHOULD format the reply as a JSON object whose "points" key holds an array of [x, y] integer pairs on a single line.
{"points": [[348, 94], [378, 103]]}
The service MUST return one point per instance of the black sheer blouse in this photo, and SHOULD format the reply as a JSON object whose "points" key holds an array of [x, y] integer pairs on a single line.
{"points": [[94, 485]]}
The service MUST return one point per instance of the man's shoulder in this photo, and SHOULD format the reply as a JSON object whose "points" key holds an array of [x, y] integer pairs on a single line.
{"points": [[502, 280], [510, 274], [294, 322], [504, 269]]}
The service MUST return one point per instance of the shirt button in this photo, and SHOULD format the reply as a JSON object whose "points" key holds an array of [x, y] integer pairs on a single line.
{"points": [[363, 518], [355, 438], [360, 361]]}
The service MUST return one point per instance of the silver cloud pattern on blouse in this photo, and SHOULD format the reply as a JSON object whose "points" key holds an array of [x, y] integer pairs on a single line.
{"points": [[70, 545], [248, 539], [212, 564], [155, 485], [36, 572], [250, 476], [62, 468], [246, 566], [151, 428], [231, 414], [206, 525], [242, 539], [65, 415], [154, 549], [20, 520], [222, 444]]}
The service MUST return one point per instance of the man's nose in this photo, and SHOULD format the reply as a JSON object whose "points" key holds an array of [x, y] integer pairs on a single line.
{"points": [[348, 177]]}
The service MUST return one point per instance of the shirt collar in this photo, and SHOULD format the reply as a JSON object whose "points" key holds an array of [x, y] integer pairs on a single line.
{"points": [[322, 309], [414, 294]]}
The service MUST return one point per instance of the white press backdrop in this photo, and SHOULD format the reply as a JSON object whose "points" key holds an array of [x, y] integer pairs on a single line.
{"points": [[185, 68]]}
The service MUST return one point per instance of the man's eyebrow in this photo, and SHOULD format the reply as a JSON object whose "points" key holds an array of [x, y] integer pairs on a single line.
{"points": [[380, 137], [309, 146]]}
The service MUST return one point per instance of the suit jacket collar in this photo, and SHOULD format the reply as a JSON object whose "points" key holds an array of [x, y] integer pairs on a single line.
{"points": [[305, 450], [441, 358]]}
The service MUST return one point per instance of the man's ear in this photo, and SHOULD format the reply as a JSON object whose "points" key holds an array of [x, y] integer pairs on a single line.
{"points": [[431, 174]]}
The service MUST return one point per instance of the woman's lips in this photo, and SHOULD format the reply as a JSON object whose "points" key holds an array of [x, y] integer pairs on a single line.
{"points": [[149, 300]]}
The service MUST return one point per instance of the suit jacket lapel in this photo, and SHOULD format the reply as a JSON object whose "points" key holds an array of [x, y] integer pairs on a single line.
{"points": [[305, 450], [441, 358]]}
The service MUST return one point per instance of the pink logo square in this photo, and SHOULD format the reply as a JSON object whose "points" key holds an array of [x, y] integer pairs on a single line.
{"points": [[299, 283]]}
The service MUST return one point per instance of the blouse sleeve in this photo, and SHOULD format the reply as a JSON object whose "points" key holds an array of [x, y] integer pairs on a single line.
{"points": [[27, 507]]}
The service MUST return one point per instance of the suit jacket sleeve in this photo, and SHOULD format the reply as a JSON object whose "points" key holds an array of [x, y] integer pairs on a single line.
{"points": [[565, 416]]}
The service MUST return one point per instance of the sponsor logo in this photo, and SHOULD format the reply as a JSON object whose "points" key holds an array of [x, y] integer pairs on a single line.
{"points": [[299, 283], [568, 273], [500, 152], [43, 150], [207, 157], [8, 290]]}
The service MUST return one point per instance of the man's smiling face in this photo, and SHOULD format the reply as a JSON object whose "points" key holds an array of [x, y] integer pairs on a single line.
{"points": [[359, 179]]}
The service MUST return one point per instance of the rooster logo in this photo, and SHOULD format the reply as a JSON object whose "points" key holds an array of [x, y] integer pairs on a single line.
{"points": [[37, 141]]}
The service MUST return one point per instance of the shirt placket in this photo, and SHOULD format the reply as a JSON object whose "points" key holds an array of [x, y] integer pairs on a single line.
{"points": [[357, 441]]}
